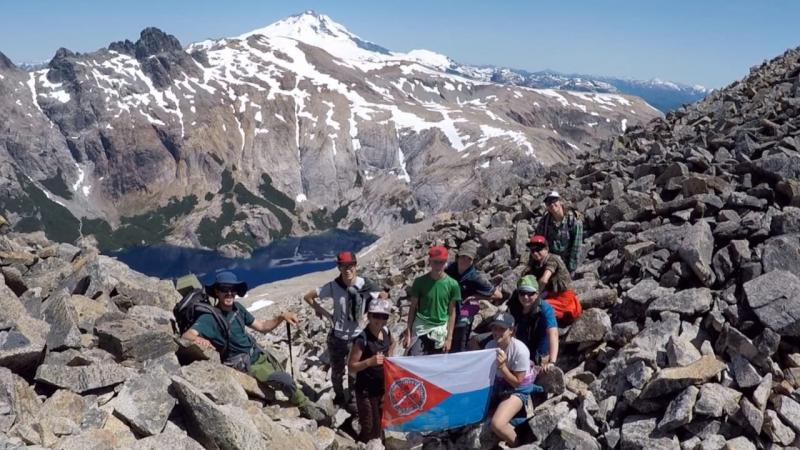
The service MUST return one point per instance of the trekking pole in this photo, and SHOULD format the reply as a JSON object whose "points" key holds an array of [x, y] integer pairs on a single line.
{"points": [[291, 357]]}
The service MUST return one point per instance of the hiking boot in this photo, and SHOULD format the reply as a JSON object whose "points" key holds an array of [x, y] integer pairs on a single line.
{"points": [[313, 412]]}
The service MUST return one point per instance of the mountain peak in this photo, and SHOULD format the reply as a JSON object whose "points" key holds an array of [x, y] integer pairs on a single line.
{"points": [[319, 30]]}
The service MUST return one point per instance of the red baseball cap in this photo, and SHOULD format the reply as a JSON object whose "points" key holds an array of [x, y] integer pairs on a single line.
{"points": [[537, 240], [438, 252], [345, 258]]}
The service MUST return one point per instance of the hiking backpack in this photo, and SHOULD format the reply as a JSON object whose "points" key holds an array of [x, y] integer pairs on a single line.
{"points": [[193, 305]]}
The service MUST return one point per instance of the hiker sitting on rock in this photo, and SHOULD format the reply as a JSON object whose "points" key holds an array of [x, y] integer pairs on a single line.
{"points": [[240, 351], [474, 286], [512, 385], [563, 230], [553, 275], [366, 361], [536, 323], [432, 314], [351, 296]]}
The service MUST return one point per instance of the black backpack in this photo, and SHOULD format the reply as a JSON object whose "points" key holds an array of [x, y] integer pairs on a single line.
{"points": [[192, 306]]}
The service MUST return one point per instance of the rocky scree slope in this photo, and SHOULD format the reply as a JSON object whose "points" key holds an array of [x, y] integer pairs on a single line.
{"points": [[689, 336], [88, 359], [295, 127]]}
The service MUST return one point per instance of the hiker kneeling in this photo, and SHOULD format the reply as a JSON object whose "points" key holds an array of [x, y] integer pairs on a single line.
{"points": [[240, 351], [512, 385], [555, 279], [366, 361]]}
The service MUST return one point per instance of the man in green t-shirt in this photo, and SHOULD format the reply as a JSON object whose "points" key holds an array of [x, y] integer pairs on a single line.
{"points": [[432, 315]]}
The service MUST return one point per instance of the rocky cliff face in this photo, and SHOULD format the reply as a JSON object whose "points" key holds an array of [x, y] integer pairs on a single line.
{"points": [[294, 127]]}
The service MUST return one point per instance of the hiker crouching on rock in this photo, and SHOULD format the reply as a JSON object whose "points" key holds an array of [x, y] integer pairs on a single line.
{"points": [[563, 230], [351, 296], [553, 275], [240, 351], [513, 384], [474, 286], [536, 324], [366, 361], [432, 314]]}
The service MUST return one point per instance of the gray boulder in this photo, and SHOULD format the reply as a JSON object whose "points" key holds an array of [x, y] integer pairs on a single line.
{"points": [[781, 253], [775, 299], [789, 410], [688, 302], [717, 400], [63, 320], [680, 410], [640, 433], [81, 379], [675, 379], [215, 381], [125, 339], [217, 426], [592, 326], [145, 403]]}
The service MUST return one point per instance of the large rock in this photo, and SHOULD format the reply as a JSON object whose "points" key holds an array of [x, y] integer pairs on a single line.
{"points": [[592, 326], [775, 298], [171, 440], [680, 410], [688, 302], [81, 379], [223, 427], [215, 381], [781, 253], [694, 244], [640, 433], [717, 400], [675, 379], [17, 399], [145, 403], [776, 430], [125, 339], [789, 410], [22, 338], [63, 320], [107, 275]]}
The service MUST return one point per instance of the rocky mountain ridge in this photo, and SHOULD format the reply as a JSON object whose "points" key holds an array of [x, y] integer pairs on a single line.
{"points": [[689, 336], [234, 142]]}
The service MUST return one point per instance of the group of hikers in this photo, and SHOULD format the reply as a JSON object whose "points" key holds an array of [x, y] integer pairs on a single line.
{"points": [[444, 303]]}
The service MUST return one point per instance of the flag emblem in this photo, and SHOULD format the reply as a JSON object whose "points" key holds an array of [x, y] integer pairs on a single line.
{"points": [[407, 395]]}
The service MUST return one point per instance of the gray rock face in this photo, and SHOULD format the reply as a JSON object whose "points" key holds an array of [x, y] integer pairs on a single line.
{"points": [[675, 379], [788, 410], [145, 403], [689, 302], [215, 382], [775, 298], [639, 433], [716, 400], [126, 339], [592, 326], [217, 426], [64, 332], [776, 430], [81, 379], [680, 410]]}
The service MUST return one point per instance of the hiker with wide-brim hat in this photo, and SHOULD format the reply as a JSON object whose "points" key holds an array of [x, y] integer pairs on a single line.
{"points": [[240, 351]]}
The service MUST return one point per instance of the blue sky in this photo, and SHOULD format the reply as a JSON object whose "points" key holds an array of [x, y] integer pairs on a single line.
{"points": [[709, 42]]}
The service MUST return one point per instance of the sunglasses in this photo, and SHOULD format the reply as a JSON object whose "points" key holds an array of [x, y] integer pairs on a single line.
{"points": [[527, 294], [225, 289], [536, 248], [379, 316], [347, 266]]}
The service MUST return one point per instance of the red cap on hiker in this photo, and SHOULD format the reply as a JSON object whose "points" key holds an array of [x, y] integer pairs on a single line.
{"points": [[438, 253], [537, 241], [345, 258]]}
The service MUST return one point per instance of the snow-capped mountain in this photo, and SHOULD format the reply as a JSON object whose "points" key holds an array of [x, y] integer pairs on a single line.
{"points": [[297, 126]]}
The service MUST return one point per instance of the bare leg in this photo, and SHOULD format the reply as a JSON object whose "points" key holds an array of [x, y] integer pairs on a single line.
{"points": [[501, 421]]}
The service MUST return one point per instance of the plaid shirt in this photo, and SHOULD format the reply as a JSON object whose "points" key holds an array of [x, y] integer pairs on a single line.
{"points": [[564, 238]]}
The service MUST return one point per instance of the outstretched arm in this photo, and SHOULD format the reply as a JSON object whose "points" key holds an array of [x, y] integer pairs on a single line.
{"points": [[192, 335], [311, 298], [267, 325]]}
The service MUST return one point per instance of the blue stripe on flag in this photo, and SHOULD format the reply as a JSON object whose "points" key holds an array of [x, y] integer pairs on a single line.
{"points": [[455, 411]]}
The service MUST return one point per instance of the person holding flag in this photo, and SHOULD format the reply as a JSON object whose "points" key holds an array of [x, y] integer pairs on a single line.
{"points": [[513, 381], [432, 315], [370, 348]]}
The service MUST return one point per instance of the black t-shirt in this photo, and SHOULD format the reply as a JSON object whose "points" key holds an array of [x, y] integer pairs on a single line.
{"points": [[370, 380]]}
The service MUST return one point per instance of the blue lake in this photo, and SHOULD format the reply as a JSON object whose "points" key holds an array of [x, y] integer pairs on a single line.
{"points": [[280, 260]]}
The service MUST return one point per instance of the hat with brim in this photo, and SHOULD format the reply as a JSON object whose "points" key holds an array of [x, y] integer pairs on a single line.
{"points": [[528, 284], [380, 306], [537, 241], [504, 320], [227, 278], [468, 249], [552, 196]]}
